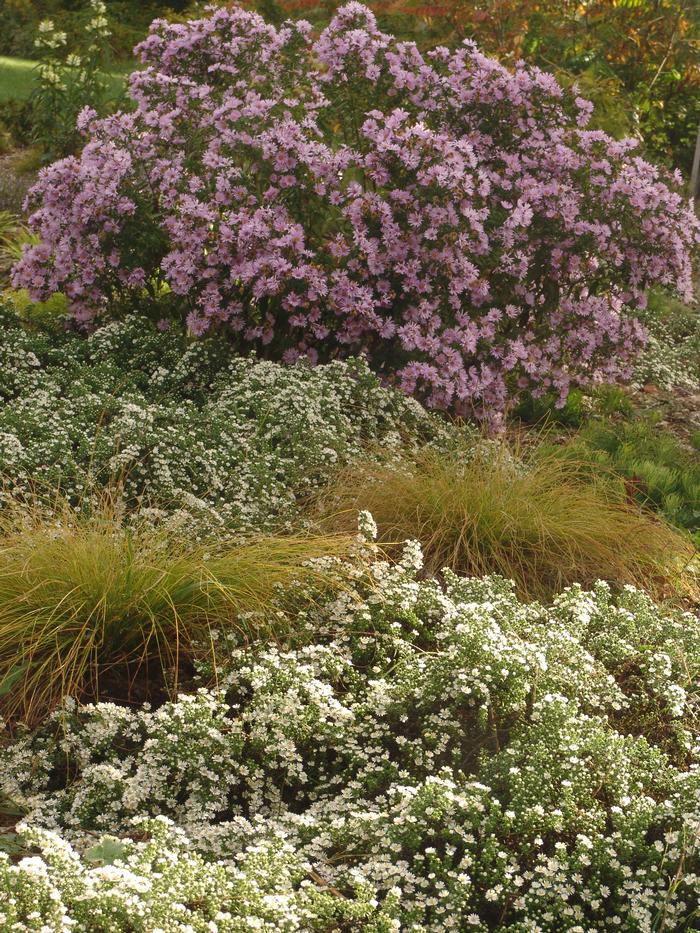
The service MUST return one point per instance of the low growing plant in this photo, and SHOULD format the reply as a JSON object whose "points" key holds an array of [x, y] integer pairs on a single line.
{"points": [[185, 427], [539, 519], [158, 883], [657, 469], [464, 759], [86, 600]]}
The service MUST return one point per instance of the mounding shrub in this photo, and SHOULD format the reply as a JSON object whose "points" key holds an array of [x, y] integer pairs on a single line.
{"points": [[540, 519], [185, 427], [86, 599], [445, 753], [454, 220]]}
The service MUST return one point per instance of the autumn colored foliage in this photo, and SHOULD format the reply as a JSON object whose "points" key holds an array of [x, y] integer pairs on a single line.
{"points": [[639, 60]]}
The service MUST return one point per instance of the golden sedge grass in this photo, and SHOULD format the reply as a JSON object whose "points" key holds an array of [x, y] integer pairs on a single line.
{"points": [[80, 596], [541, 520]]}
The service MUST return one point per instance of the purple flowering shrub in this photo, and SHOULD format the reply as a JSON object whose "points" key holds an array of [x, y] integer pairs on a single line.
{"points": [[451, 219]]}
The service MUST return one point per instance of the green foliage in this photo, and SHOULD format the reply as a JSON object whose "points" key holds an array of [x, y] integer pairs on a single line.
{"points": [[613, 112], [544, 410], [660, 472], [579, 407], [613, 400], [41, 317]]}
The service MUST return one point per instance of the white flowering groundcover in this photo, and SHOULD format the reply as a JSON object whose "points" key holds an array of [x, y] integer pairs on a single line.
{"points": [[421, 756], [183, 428]]}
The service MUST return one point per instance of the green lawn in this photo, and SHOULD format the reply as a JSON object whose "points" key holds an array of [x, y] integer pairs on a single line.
{"points": [[17, 77]]}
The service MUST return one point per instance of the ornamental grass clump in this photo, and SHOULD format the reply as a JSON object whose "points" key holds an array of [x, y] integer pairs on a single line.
{"points": [[91, 605], [452, 219], [13, 234], [541, 520]]}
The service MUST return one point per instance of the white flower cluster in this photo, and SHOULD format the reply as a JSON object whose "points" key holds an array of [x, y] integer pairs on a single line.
{"points": [[428, 757], [50, 76], [160, 886], [668, 364], [671, 358], [186, 428], [99, 24], [49, 38]]}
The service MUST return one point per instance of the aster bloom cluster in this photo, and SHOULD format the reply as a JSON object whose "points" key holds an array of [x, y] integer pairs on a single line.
{"points": [[469, 760], [184, 429], [453, 220]]}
